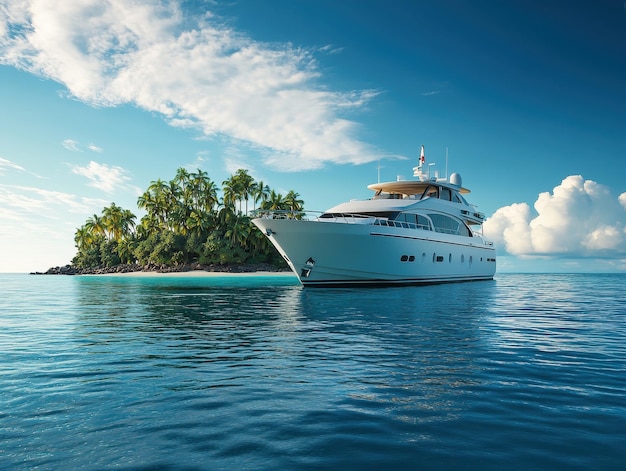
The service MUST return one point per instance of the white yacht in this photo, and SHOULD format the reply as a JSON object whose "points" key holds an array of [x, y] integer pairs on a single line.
{"points": [[410, 232]]}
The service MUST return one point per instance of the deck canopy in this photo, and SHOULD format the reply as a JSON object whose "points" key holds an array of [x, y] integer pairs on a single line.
{"points": [[411, 187]]}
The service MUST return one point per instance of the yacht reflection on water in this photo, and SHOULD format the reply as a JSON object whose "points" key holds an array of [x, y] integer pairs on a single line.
{"points": [[346, 348]]}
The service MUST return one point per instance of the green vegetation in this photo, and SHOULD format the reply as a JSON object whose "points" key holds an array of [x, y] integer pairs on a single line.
{"points": [[185, 222]]}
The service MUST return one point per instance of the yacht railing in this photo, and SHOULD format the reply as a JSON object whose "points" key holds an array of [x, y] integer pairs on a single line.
{"points": [[404, 224], [346, 218]]}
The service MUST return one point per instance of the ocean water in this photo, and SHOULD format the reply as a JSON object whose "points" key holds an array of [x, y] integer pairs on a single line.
{"points": [[136, 373]]}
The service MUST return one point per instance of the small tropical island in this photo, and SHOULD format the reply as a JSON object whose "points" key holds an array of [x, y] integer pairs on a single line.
{"points": [[187, 226]]}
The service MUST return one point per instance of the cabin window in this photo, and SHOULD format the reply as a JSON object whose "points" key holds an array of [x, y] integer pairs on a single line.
{"points": [[444, 223], [449, 225], [431, 191], [445, 194], [423, 222], [464, 230], [410, 218]]}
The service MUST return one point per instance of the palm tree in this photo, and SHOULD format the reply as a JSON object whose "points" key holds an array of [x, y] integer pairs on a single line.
{"points": [[199, 222], [182, 178], [238, 231], [209, 196], [128, 222], [118, 222], [292, 200], [225, 215], [112, 219], [230, 188], [245, 185], [275, 202], [147, 225], [125, 250], [155, 201], [95, 225], [203, 191], [83, 238], [260, 192]]}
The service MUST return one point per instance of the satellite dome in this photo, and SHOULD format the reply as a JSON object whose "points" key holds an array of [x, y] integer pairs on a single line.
{"points": [[455, 179]]}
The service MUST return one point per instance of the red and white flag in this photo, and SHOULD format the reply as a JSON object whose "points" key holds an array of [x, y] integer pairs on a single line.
{"points": [[422, 157]]}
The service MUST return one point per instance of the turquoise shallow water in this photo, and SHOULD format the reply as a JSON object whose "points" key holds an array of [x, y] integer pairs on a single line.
{"points": [[523, 372]]}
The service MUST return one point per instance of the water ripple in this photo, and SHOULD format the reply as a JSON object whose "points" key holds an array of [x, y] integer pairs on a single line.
{"points": [[133, 373]]}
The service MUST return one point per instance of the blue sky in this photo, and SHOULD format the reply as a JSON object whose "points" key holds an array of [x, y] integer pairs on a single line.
{"points": [[99, 98]]}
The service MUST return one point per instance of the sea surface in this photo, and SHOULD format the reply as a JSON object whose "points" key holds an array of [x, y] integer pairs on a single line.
{"points": [[257, 373]]}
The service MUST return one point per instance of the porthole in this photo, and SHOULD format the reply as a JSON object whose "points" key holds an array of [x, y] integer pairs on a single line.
{"points": [[404, 258], [411, 258], [449, 258], [462, 258]]}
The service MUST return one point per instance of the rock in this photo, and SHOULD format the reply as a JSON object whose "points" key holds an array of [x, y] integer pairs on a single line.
{"points": [[134, 267]]}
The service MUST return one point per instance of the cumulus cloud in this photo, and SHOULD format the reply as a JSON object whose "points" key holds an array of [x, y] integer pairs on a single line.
{"points": [[102, 176], [579, 218], [197, 72]]}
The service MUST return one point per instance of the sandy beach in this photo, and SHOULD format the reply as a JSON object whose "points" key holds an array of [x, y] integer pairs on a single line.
{"points": [[197, 274]]}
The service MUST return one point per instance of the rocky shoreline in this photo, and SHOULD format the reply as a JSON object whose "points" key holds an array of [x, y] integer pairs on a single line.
{"points": [[133, 268]]}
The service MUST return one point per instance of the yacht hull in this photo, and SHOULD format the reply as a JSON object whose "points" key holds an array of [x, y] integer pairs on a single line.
{"points": [[324, 253]]}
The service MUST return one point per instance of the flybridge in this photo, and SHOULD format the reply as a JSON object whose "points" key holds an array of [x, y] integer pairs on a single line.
{"points": [[426, 177]]}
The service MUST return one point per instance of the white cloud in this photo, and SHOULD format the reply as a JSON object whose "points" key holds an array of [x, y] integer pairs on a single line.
{"points": [[27, 214], [75, 146], [102, 176], [22, 202], [207, 76], [579, 218], [509, 226], [7, 164], [72, 145]]}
